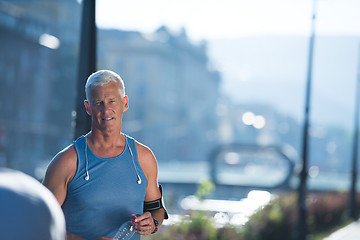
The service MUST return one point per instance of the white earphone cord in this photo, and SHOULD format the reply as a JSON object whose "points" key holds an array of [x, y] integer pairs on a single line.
{"points": [[87, 176], [132, 157]]}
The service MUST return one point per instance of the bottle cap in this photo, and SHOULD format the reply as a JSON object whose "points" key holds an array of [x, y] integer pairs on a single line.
{"points": [[133, 219]]}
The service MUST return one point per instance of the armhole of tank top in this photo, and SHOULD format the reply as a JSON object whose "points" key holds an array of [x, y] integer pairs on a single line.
{"points": [[77, 144], [132, 144]]}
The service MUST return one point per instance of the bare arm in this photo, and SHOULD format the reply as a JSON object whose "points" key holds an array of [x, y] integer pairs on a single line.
{"points": [[149, 165], [60, 172]]}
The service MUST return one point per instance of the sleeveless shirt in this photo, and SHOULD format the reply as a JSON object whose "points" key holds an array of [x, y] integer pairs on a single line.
{"points": [[98, 207]]}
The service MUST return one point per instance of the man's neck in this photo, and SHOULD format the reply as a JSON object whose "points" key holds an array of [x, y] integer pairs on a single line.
{"points": [[103, 144]]}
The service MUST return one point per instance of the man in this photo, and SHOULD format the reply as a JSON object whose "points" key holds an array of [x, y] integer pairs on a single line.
{"points": [[106, 177], [28, 210]]}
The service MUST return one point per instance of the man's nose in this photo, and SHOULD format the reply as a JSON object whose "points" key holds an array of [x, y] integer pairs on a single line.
{"points": [[105, 107]]}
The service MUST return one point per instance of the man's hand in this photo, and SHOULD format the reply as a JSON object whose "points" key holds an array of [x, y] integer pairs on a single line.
{"points": [[144, 224]]}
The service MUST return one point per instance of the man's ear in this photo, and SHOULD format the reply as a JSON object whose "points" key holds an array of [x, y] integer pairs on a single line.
{"points": [[87, 107], [126, 103]]}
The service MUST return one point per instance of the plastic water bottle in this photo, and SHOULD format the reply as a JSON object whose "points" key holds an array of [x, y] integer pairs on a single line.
{"points": [[126, 230]]}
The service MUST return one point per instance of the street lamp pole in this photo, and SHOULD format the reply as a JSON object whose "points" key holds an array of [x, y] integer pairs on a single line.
{"points": [[353, 204], [302, 190], [87, 65]]}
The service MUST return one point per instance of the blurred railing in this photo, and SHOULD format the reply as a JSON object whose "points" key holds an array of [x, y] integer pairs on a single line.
{"points": [[252, 166]]}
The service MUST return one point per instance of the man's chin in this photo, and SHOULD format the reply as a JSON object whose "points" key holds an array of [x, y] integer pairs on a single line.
{"points": [[108, 128]]}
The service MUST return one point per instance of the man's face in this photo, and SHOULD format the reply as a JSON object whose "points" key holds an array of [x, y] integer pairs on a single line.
{"points": [[106, 107]]}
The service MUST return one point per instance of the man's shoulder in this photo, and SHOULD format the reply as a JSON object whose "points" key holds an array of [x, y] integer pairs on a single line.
{"points": [[69, 150], [66, 156], [139, 145], [143, 150], [61, 169], [146, 157]]}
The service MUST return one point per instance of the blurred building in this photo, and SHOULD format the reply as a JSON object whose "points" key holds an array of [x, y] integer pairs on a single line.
{"points": [[172, 92], [38, 45]]}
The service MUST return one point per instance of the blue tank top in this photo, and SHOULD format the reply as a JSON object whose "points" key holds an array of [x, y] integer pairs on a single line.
{"points": [[99, 206]]}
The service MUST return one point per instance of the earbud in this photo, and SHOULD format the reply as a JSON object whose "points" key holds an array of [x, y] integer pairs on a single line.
{"points": [[139, 181], [87, 177]]}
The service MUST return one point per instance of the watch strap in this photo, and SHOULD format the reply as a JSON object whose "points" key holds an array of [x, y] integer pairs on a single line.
{"points": [[156, 223]]}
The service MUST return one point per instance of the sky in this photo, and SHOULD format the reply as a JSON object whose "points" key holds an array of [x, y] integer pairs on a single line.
{"points": [[214, 19]]}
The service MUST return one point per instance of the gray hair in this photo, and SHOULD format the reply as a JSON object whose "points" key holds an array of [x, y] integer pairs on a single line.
{"points": [[103, 77]]}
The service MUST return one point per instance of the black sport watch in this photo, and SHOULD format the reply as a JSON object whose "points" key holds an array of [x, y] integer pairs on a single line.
{"points": [[156, 225]]}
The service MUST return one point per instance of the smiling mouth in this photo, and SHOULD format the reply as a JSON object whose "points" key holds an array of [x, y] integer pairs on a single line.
{"points": [[108, 119]]}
